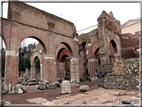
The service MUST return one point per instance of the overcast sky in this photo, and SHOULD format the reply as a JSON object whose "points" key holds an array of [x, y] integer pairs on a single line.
{"points": [[84, 15]]}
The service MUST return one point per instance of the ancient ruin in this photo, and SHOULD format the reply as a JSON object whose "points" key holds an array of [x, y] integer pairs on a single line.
{"points": [[57, 36], [103, 55], [103, 49]]}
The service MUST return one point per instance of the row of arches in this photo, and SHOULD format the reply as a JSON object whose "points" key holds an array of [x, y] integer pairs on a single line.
{"points": [[63, 55], [91, 63]]}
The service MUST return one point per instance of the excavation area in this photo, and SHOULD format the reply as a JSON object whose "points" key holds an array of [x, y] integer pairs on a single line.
{"points": [[95, 95]]}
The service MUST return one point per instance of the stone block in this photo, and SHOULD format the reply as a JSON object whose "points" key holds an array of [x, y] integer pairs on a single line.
{"points": [[84, 88], [5, 88], [105, 85], [113, 69], [115, 64], [20, 91], [10, 88], [117, 60], [33, 83], [109, 86], [66, 87]]}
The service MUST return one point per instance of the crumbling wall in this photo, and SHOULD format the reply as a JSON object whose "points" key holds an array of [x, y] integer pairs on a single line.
{"points": [[129, 45]]}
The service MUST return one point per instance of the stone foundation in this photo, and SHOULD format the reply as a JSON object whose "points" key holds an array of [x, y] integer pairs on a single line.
{"points": [[121, 82]]}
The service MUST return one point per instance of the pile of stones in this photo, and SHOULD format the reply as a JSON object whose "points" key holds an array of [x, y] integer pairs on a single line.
{"points": [[13, 89], [29, 81], [131, 69], [46, 85], [130, 101]]}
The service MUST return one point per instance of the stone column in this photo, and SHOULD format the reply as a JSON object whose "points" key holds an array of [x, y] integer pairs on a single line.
{"points": [[33, 71], [89, 59], [49, 68], [103, 57], [82, 66], [11, 67], [74, 61], [74, 69], [41, 71]]}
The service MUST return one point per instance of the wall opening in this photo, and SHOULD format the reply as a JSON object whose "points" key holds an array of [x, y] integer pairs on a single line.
{"points": [[112, 49], [97, 56], [66, 61], [29, 48], [3, 52], [37, 67]]}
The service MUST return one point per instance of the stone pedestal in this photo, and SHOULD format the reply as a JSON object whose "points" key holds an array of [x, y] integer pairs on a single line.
{"points": [[66, 87], [10, 88]]}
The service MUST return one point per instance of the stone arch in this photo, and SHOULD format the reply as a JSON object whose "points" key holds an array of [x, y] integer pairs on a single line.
{"points": [[34, 56], [96, 53], [97, 59], [40, 41], [33, 65], [61, 55], [63, 52], [113, 48], [69, 48]]}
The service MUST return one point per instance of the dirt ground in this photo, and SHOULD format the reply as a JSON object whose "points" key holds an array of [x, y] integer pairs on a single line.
{"points": [[96, 95], [49, 94]]}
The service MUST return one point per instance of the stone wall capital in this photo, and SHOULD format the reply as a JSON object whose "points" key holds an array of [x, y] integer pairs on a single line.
{"points": [[49, 56], [11, 53]]}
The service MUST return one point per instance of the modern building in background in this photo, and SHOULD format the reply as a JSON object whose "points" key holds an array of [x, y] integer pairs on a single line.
{"points": [[131, 26]]}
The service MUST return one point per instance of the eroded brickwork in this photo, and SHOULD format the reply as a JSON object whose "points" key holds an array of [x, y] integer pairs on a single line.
{"points": [[54, 34], [59, 39], [129, 45]]}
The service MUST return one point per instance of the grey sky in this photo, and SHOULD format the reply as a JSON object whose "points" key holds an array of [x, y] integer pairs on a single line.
{"points": [[84, 15]]}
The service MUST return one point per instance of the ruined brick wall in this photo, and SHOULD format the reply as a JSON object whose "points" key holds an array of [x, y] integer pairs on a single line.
{"points": [[92, 40], [51, 31], [129, 45], [99, 42], [109, 30]]}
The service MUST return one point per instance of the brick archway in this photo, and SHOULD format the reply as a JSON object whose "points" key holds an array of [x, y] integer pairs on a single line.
{"points": [[43, 26], [33, 67], [62, 53], [34, 55], [113, 48]]}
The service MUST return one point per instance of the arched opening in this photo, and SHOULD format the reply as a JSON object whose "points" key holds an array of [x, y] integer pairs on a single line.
{"points": [[69, 48], [83, 52], [66, 72], [3, 53], [37, 67], [63, 68], [31, 52], [112, 49], [97, 56]]}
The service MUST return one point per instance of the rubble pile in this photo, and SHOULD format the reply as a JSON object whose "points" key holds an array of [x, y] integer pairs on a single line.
{"points": [[13, 89], [132, 69], [46, 85]]}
